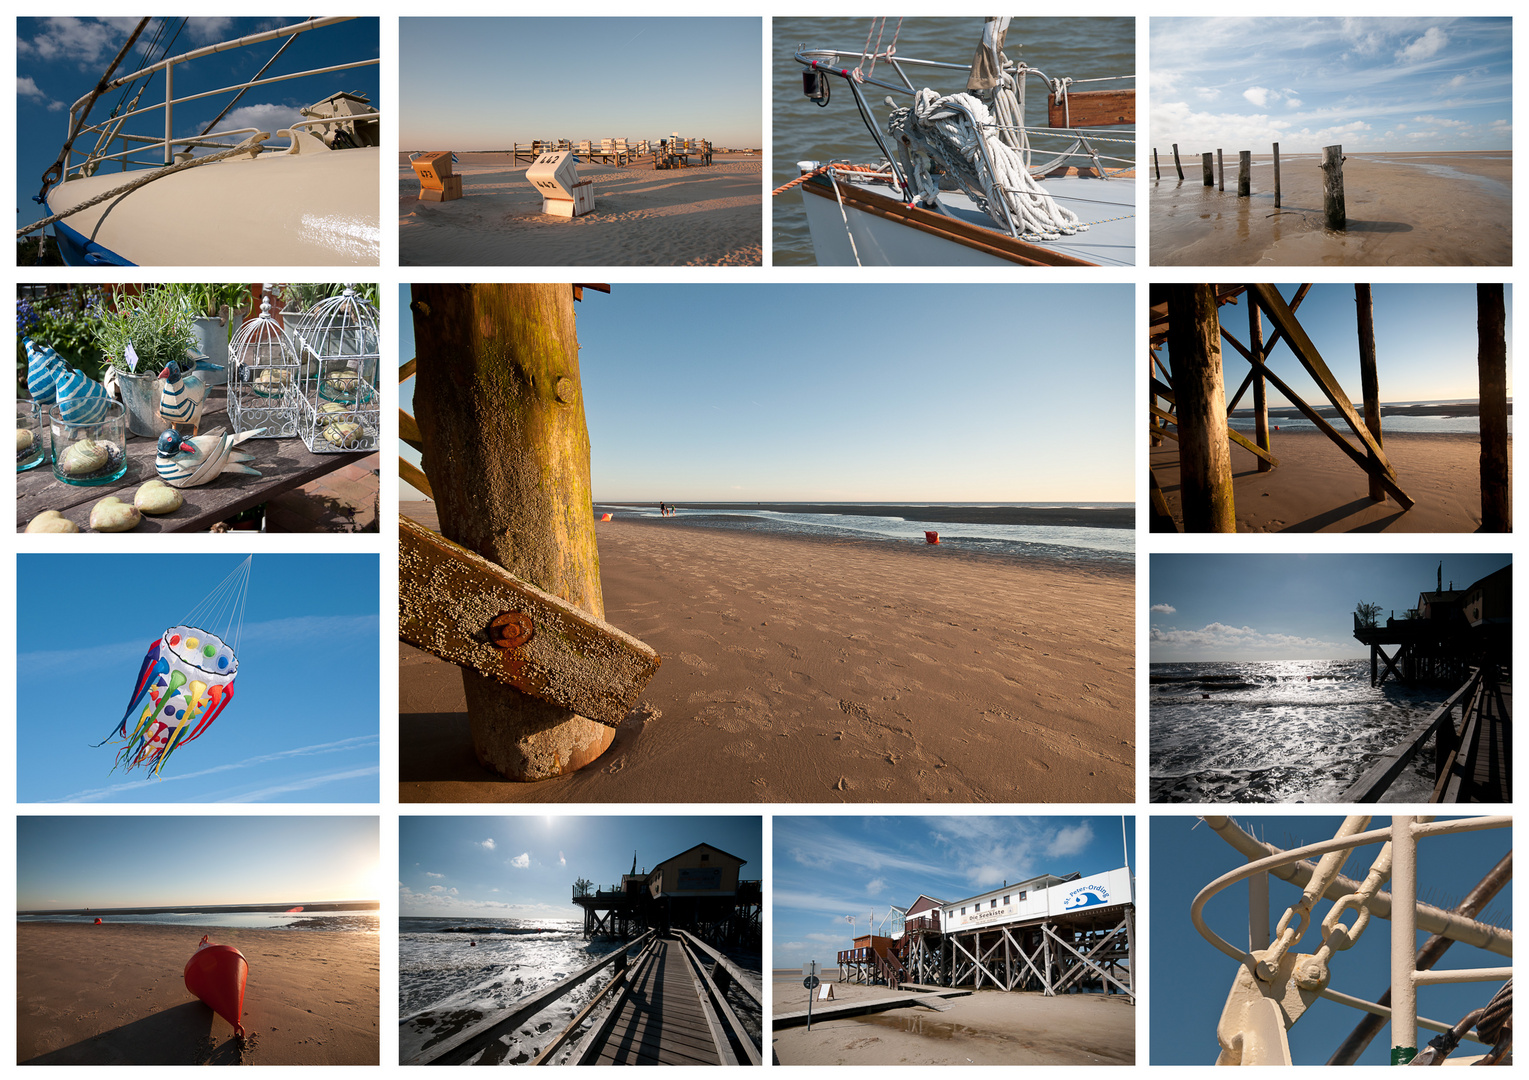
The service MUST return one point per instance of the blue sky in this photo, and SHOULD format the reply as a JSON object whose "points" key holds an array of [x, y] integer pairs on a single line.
{"points": [[524, 867], [303, 724], [126, 861], [1287, 607], [485, 83], [830, 868], [1369, 84], [60, 59], [855, 393], [1190, 979], [1425, 342]]}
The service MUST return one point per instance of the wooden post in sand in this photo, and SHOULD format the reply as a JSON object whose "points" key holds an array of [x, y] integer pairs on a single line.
{"points": [[1244, 173], [1207, 170], [1176, 164], [1335, 211], [1205, 462], [501, 417], [1368, 380], [1220, 171], [1156, 172], [1492, 371], [1276, 176], [1260, 392]]}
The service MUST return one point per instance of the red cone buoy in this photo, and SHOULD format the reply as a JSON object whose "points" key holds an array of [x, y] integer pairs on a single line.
{"points": [[931, 537], [98, 920], [605, 517], [216, 974]]}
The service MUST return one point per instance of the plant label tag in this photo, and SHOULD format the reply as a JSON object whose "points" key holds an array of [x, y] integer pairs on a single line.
{"points": [[132, 357]]}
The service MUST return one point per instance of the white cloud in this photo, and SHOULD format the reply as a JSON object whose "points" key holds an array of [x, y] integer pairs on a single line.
{"points": [[1164, 609], [560, 860], [1258, 95], [1207, 93], [488, 844], [1293, 103], [429, 874], [85, 41], [876, 885], [1071, 840], [437, 888], [521, 861], [27, 88], [1424, 47], [1223, 638]]}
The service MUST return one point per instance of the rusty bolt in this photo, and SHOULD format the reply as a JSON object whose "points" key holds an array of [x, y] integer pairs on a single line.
{"points": [[564, 389], [510, 630]]}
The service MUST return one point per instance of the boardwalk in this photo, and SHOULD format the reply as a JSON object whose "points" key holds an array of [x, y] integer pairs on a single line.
{"points": [[664, 1021], [1482, 771]]}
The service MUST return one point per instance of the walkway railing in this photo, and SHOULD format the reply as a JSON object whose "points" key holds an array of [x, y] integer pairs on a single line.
{"points": [[1379, 777]]}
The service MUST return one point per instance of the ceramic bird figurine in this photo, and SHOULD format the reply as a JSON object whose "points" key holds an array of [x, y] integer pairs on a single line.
{"points": [[44, 366], [192, 462], [180, 400], [81, 400]]}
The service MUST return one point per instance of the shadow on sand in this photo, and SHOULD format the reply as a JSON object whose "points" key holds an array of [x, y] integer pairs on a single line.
{"points": [[181, 1035]]}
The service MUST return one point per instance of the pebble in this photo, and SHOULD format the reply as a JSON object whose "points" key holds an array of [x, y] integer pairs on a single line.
{"points": [[346, 434], [111, 514], [83, 458], [24, 439], [158, 497], [51, 521]]}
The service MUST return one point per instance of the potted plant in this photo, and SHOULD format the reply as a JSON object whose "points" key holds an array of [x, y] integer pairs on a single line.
{"points": [[138, 336], [220, 309]]}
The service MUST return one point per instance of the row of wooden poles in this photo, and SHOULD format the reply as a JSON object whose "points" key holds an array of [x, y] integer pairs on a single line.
{"points": [[1335, 212]]}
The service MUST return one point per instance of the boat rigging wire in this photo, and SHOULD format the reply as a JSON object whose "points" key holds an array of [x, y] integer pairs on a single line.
{"points": [[55, 172]]}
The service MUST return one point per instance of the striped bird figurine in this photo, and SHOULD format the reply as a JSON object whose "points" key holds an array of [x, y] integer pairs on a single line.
{"points": [[180, 401], [81, 400], [44, 366], [185, 463]]}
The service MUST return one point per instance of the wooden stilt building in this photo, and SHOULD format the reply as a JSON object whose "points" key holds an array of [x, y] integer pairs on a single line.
{"points": [[699, 890]]}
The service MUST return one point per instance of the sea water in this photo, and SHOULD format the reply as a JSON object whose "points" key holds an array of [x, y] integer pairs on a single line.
{"points": [[1295, 731], [452, 972], [1466, 422], [360, 919], [1100, 545], [1060, 47]]}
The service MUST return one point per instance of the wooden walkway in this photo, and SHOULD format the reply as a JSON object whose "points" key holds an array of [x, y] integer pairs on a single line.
{"points": [[663, 1021], [1482, 771]]}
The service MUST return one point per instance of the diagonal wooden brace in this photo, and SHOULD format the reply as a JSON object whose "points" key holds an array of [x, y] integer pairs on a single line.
{"points": [[456, 604]]}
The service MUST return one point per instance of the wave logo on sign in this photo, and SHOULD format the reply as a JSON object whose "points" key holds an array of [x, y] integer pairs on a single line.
{"points": [[1087, 896]]}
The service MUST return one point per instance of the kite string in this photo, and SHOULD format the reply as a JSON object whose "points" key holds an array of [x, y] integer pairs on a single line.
{"points": [[227, 597]]}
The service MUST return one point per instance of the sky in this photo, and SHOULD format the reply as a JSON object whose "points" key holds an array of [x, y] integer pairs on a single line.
{"points": [[1367, 84], [59, 60], [1287, 607], [524, 867], [1190, 989], [828, 869], [302, 726], [1425, 343], [854, 393], [486, 83], [125, 861]]}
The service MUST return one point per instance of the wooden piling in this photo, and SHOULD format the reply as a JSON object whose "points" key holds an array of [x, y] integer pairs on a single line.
{"points": [[1244, 173], [1335, 211], [1276, 176], [1368, 379], [501, 415], [1205, 465], [1260, 391], [1176, 164], [1156, 172], [1207, 170], [1220, 171], [1492, 371]]}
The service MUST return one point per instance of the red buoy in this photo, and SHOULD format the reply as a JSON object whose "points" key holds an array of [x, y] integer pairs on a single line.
{"points": [[98, 920], [216, 974], [931, 537]]}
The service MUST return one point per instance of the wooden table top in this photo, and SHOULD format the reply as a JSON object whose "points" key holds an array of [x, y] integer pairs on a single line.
{"points": [[283, 463]]}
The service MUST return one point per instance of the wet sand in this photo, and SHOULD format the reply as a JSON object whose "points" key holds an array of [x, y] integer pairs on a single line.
{"points": [[989, 1027], [803, 670], [1438, 209], [706, 215], [1318, 488], [114, 995]]}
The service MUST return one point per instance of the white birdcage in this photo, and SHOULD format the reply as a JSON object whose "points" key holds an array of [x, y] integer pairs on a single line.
{"points": [[337, 345], [263, 377]]}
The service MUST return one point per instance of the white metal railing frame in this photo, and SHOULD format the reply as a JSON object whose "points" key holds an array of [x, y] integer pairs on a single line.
{"points": [[168, 142], [1403, 835]]}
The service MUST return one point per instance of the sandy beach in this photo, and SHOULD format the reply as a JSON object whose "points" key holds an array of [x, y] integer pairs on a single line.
{"points": [[705, 215], [800, 670], [989, 1027], [1440, 209], [113, 995], [1318, 488]]}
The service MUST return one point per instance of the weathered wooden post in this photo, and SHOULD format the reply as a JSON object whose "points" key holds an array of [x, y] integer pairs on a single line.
{"points": [[1260, 391], [1207, 170], [1220, 171], [1335, 211], [1244, 173], [1156, 172], [1205, 462], [1369, 381], [1492, 371], [501, 417], [1276, 176], [1176, 164]]}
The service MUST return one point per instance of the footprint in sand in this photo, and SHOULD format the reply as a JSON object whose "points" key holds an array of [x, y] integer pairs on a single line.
{"points": [[696, 662]]}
